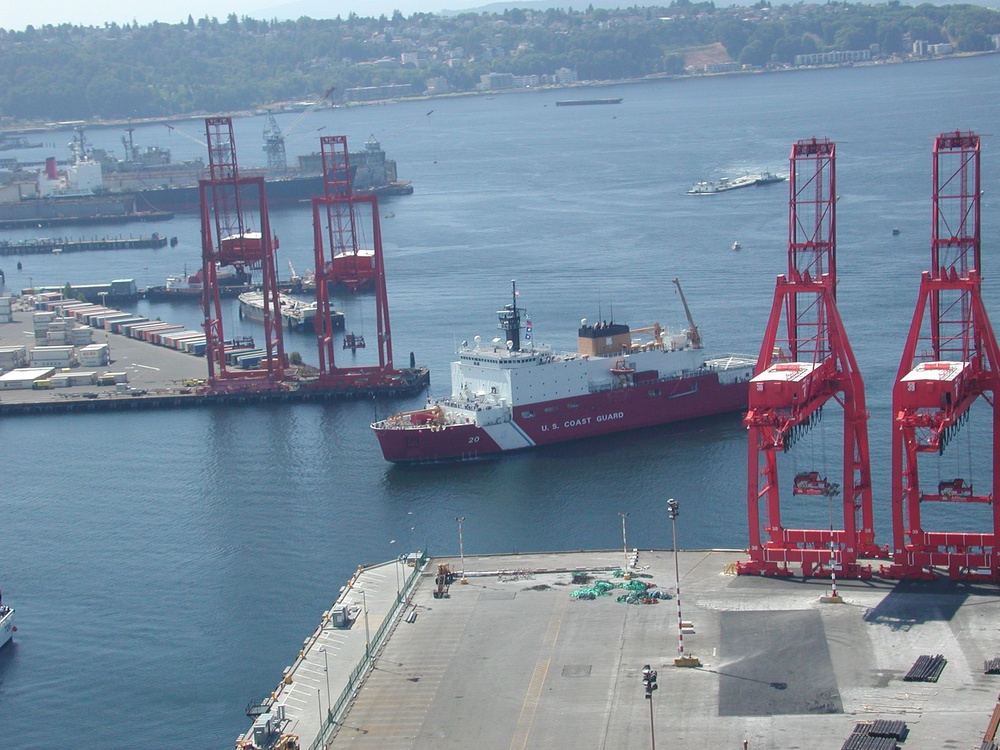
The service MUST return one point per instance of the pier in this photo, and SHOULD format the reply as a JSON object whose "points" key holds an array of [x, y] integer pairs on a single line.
{"points": [[61, 245], [512, 659]]}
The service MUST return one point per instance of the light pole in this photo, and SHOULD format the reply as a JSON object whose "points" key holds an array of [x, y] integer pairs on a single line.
{"points": [[368, 642], [624, 543], [326, 668], [319, 707], [673, 510], [649, 682], [461, 549]]}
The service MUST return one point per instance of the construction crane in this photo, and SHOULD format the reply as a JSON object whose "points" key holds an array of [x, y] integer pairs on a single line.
{"points": [[274, 136], [230, 206], [950, 360], [190, 137], [794, 378]]}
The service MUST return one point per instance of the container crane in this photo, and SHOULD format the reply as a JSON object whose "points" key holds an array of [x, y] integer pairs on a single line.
{"points": [[794, 378], [950, 360], [229, 203], [340, 219]]}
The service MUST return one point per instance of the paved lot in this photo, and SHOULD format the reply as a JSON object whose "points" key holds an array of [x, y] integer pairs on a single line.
{"points": [[512, 661], [155, 369]]}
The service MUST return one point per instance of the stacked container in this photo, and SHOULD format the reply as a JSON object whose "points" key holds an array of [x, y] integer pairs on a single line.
{"points": [[51, 356], [94, 355], [12, 357], [6, 310]]}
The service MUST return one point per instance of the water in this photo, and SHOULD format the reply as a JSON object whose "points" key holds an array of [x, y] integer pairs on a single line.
{"points": [[166, 566]]}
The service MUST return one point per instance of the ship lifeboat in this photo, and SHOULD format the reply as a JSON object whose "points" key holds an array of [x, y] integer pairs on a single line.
{"points": [[622, 369], [432, 416]]}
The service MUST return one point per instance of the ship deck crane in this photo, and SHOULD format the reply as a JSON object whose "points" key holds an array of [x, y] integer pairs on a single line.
{"points": [[950, 360], [693, 336], [793, 380], [230, 206]]}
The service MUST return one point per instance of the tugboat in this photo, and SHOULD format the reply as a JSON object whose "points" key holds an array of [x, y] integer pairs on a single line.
{"points": [[511, 394]]}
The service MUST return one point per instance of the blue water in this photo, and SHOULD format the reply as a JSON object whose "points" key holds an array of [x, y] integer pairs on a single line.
{"points": [[165, 567]]}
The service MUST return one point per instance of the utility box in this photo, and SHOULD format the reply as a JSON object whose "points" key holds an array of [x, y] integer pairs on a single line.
{"points": [[339, 616]]}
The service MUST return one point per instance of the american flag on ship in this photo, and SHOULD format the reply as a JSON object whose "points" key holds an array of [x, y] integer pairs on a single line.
{"points": [[527, 331]]}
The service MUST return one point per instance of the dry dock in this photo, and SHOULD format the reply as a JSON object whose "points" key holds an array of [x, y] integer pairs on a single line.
{"points": [[512, 660]]}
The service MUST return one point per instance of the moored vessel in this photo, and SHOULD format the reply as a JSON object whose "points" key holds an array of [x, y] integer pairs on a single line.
{"points": [[296, 314], [507, 396], [7, 627], [726, 184]]}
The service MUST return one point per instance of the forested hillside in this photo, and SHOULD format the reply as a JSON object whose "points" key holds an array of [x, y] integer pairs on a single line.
{"points": [[206, 65]]}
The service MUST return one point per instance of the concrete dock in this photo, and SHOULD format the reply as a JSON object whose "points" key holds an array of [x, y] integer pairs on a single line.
{"points": [[510, 659]]}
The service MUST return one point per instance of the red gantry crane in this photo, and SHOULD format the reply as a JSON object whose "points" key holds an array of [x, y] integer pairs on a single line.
{"points": [[950, 360], [229, 204], [796, 375], [341, 223]]}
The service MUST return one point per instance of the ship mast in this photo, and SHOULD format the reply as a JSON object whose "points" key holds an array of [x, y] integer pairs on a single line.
{"points": [[510, 321]]}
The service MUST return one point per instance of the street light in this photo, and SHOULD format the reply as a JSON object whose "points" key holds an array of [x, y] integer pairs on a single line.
{"points": [[326, 668], [649, 682], [461, 549], [368, 642], [624, 543], [673, 510]]}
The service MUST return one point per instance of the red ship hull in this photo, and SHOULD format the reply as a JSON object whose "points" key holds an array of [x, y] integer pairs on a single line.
{"points": [[575, 418]]}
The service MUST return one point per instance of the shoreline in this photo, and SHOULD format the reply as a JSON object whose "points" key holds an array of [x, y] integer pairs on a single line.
{"points": [[36, 127]]}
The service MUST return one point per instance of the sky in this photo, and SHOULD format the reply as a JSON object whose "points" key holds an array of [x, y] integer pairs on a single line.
{"points": [[16, 15]]}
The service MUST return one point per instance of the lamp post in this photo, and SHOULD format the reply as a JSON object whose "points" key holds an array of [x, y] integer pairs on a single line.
{"points": [[319, 707], [649, 682], [624, 543], [326, 668], [461, 549], [673, 510], [368, 642]]}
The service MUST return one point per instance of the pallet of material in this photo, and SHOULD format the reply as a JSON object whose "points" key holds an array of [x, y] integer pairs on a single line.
{"points": [[926, 669]]}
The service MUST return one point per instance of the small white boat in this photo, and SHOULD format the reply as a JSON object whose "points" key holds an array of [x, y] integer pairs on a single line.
{"points": [[737, 245]]}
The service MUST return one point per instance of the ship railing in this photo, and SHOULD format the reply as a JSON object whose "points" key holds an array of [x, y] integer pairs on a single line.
{"points": [[593, 387], [356, 678]]}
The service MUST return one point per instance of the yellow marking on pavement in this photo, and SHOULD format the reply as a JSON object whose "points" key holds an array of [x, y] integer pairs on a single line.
{"points": [[523, 730]]}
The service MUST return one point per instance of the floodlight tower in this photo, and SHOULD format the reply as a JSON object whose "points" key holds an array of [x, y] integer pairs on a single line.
{"points": [[950, 360], [228, 203], [796, 375]]}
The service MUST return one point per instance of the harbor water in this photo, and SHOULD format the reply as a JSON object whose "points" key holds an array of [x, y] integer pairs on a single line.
{"points": [[165, 567]]}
